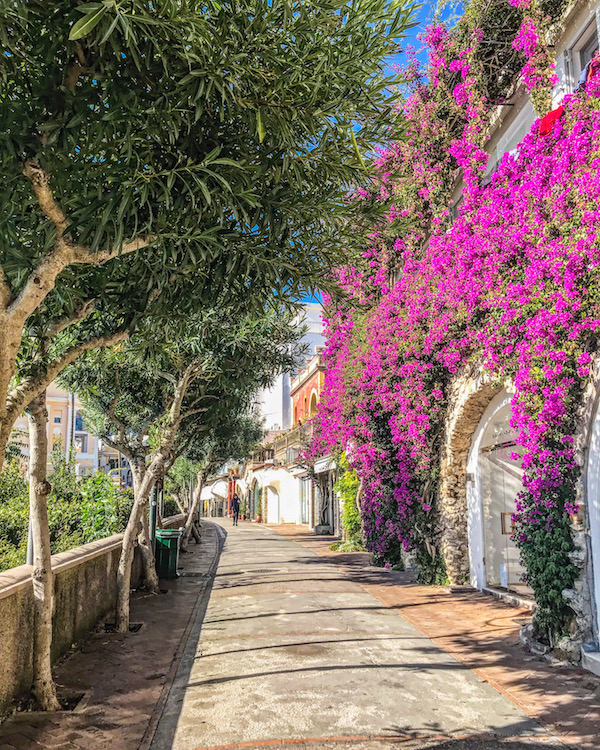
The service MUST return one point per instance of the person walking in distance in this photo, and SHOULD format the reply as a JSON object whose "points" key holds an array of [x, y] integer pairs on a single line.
{"points": [[235, 507]]}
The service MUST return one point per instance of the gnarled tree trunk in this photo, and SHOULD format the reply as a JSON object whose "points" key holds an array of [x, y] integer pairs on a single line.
{"points": [[141, 491], [145, 545], [190, 523], [143, 481], [43, 584]]}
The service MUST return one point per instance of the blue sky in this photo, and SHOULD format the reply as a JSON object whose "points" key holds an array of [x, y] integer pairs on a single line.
{"points": [[424, 16]]}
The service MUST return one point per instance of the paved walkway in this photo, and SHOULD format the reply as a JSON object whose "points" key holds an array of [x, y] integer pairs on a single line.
{"points": [[123, 678], [483, 634], [295, 644], [292, 650]]}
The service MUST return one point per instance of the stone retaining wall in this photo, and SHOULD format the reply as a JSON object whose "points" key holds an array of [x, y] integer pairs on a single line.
{"points": [[84, 593]]}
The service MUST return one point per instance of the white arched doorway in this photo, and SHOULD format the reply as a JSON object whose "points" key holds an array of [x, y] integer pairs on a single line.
{"points": [[494, 479], [273, 510]]}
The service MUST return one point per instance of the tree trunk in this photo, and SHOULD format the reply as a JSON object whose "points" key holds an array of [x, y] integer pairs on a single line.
{"points": [[196, 532], [145, 545], [190, 527], [179, 503], [42, 579], [141, 492]]}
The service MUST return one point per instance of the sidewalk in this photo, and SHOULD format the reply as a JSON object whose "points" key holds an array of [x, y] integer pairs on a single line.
{"points": [[483, 634], [300, 643], [293, 651], [123, 678]]}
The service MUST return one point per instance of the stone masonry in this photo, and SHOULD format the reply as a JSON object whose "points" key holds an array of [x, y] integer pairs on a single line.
{"points": [[471, 392]]}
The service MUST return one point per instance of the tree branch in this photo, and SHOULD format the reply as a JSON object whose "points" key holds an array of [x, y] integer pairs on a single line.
{"points": [[5, 292], [115, 420], [80, 313], [30, 388], [124, 448], [191, 412], [42, 279], [40, 183]]}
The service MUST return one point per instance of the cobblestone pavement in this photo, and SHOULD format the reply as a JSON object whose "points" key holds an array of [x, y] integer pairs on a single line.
{"points": [[292, 650], [122, 677]]}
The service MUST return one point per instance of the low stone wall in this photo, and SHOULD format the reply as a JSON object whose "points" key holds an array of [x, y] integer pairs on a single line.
{"points": [[84, 593]]}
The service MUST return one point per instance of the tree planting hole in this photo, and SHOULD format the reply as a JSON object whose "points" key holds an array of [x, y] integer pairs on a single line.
{"points": [[134, 627], [71, 701]]}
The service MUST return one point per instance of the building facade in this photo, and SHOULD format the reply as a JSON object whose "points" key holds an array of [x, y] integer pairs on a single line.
{"points": [[481, 467], [67, 429], [277, 486]]}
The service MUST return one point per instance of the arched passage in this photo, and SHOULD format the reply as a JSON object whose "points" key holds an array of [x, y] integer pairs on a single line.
{"points": [[253, 496], [470, 396], [495, 479], [593, 508]]}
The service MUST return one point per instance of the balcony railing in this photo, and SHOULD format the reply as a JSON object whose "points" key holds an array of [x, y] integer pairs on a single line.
{"points": [[296, 438]]}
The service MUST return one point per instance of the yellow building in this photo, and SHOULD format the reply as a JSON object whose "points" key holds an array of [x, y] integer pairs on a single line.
{"points": [[67, 428]]}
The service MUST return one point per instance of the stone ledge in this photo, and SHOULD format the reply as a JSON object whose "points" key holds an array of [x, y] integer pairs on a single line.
{"points": [[16, 579], [590, 660], [510, 598]]}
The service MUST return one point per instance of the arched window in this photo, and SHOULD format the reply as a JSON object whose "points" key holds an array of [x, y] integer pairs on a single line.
{"points": [[313, 404]]}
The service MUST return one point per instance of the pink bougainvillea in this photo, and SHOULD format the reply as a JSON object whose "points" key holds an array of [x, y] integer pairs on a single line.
{"points": [[538, 70], [511, 284]]}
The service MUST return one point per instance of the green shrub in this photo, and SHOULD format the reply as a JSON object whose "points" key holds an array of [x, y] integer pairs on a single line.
{"points": [[347, 488], [170, 507], [79, 510]]}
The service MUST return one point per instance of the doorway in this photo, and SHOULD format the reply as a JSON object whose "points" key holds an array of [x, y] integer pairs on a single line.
{"points": [[495, 479], [273, 512]]}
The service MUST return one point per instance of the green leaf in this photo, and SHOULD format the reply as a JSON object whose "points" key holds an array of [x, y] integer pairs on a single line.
{"points": [[260, 126], [87, 23], [355, 144]]}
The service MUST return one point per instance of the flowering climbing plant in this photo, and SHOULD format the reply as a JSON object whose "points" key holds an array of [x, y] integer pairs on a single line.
{"points": [[511, 285]]}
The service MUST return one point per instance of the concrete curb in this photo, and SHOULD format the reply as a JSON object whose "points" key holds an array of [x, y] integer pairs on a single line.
{"points": [[202, 600]]}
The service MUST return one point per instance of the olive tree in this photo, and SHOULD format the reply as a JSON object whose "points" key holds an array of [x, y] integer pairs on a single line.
{"points": [[170, 136], [151, 397], [178, 132]]}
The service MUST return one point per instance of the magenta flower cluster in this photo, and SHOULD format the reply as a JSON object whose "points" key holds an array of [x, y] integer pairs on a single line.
{"points": [[538, 70], [511, 285]]}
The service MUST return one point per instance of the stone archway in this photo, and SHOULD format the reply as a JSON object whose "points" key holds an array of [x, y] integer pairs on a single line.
{"points": [[471, 392]]}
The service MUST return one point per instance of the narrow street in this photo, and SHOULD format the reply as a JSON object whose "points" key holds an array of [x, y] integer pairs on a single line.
{"points": [[291, 650]]}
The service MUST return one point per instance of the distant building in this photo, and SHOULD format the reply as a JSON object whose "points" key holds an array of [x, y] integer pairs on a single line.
{"points": [[275, 485], [66, 427], [275, 403], [305, 388]]}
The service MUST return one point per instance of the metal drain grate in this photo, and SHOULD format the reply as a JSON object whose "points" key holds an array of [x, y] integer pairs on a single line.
{"points": [[263, 570]]}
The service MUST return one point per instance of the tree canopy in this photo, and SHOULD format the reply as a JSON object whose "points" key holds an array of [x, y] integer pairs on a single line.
{"points": [[212, 144]]}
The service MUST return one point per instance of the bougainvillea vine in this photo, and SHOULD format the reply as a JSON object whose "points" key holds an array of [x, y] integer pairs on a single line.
{"points": [[511, 283]]}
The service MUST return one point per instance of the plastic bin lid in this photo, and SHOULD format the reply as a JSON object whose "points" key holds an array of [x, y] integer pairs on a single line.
{"points": [[168, 532]]}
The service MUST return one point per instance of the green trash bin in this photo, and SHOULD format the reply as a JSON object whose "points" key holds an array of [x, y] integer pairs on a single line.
{"points": [[167, 552]]}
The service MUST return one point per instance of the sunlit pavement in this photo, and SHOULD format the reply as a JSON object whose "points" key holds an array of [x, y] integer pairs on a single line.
{"points": [[290, 650]]}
